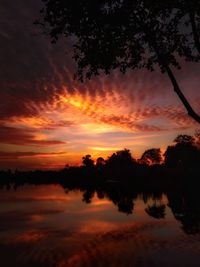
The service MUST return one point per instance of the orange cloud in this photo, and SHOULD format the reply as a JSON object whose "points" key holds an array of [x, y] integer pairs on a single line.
{"points": [[18, 155], [23, 137], [42, 107]]}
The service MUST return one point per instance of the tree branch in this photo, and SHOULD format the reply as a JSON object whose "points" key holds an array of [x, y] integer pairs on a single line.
{"points": [[183, 99], [171, 76]]}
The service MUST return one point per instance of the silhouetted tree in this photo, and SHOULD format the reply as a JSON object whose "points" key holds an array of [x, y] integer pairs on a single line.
{"points": [[183, 154], [184, 139], [100, 162], [187, 16], [151, 156], [124, 34], [122, 158], [87, 161]]}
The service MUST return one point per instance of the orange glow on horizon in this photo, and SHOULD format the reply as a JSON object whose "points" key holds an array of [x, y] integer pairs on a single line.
{"points": [[74, 124]]}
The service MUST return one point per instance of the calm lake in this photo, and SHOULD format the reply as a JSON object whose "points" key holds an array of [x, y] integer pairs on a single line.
{"points": [[48, 225]]}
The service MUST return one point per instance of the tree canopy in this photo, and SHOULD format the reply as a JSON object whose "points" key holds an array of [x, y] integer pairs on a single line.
{"points": [[124, 34], [151, 156], [184, 153], [121, 158], [87, 161]]}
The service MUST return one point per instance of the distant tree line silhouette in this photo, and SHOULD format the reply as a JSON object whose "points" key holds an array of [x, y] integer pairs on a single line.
{"points": [[122, 179], [184, 152], [180, 160]]}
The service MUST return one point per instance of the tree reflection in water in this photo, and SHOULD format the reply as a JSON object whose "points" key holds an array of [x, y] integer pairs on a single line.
{"points": [[186, 209], [183, 204], [156, 211]]}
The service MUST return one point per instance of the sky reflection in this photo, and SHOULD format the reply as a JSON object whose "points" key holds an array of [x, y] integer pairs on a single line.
{"points": [[59, 229]]}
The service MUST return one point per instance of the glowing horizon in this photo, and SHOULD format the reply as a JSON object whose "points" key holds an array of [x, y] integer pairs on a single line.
{"points": [[48, 140], [48, 119]]}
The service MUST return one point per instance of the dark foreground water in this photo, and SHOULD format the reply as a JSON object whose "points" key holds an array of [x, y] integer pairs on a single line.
{"points": [[49, 226]]}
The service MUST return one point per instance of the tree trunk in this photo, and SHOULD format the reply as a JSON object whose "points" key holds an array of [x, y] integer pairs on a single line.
{"points": [[177, 89], [183, 99]]}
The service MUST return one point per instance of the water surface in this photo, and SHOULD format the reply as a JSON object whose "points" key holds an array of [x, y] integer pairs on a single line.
{"points": [[47, 225]]}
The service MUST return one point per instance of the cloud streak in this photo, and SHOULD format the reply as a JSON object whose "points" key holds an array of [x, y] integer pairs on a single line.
{"points": [[23, 137], [43, 107], [18, 154]]}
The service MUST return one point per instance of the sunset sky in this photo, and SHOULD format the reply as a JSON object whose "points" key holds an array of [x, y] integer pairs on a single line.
{"points": [[47, 119]]}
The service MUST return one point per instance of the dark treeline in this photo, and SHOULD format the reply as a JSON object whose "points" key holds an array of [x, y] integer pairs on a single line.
{"points": [[178, 165], [123, 179]]}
